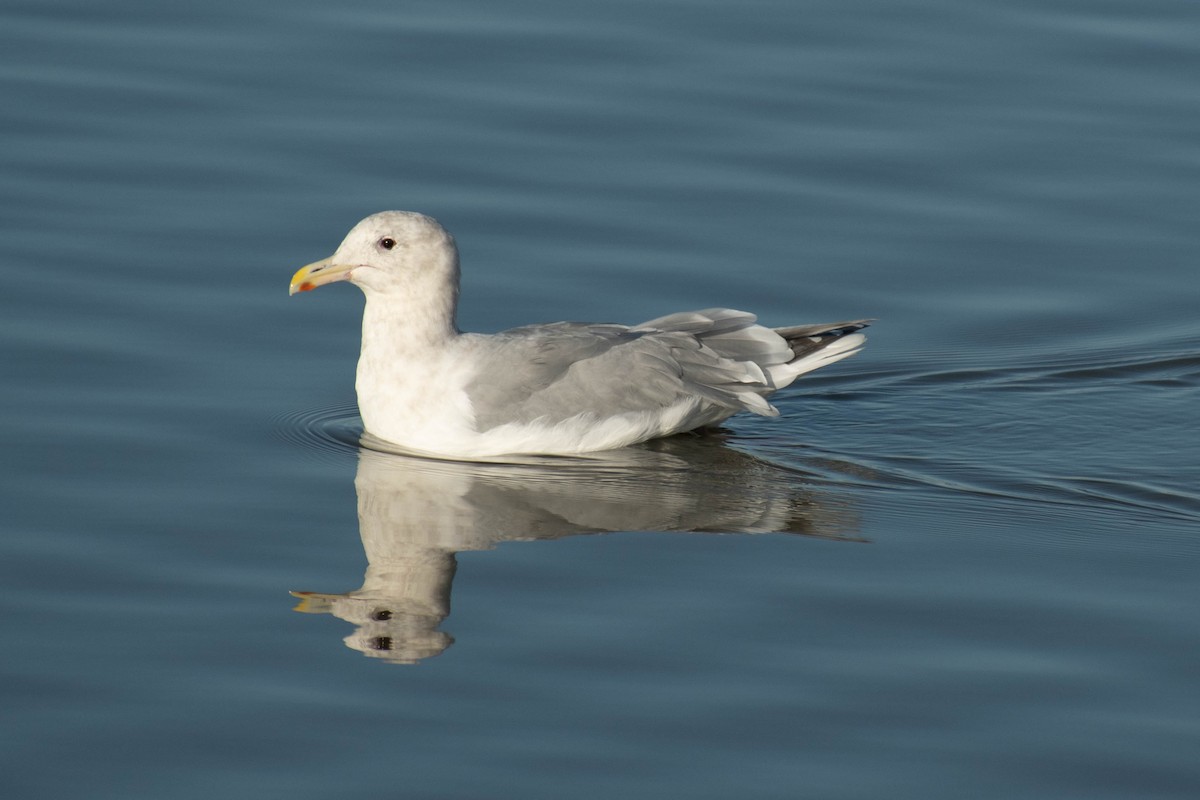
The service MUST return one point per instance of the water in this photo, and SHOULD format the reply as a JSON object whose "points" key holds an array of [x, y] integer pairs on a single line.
{"points": [[963, 562]]}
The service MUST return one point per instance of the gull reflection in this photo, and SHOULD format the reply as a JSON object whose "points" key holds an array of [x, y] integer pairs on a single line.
{"points": [[415, 514]]}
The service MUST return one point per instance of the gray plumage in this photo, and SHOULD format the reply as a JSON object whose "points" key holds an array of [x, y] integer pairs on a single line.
{"points": [[555, 371]]}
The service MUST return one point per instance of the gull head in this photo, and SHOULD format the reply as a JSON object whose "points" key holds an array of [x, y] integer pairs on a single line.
{"points": [[389, 253]]}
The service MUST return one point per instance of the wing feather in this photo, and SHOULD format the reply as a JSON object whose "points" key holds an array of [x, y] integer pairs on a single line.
{"points": [[719, 357]]}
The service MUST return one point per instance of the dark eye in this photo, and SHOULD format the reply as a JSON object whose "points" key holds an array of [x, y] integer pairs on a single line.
{"points": [[381, 615], [387, 243]]}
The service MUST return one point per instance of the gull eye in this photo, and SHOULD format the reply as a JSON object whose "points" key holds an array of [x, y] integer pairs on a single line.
{"points": [[387, 243]]}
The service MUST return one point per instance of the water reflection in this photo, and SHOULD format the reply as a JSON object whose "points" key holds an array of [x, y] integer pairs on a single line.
{"points": [[415, 514]]}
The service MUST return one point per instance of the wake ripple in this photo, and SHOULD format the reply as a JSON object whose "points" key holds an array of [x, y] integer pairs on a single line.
{"points": [[329, 431]]}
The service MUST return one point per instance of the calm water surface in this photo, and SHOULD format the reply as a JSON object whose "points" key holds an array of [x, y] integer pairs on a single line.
{"points": [[962, 564]]}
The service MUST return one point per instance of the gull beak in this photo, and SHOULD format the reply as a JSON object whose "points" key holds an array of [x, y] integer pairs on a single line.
{"points": [[317, 274], [314, 602]]}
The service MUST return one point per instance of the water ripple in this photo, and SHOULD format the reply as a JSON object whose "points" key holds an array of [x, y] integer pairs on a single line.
{"points": [[1101, 432], [1153, 363], [332, 430]]}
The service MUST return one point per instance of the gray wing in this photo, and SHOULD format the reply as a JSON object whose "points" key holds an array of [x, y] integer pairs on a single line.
{"points": [[553, 372]]}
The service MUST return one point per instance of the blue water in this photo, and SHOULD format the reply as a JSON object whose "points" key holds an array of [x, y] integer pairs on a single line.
{"points": [[962, 564]]}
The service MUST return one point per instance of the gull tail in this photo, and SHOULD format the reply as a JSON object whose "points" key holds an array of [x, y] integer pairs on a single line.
{"points": [[814, 346]]}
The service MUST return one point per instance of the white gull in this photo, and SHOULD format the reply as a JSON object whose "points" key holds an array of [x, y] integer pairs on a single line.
{"points": [[556, 389]]}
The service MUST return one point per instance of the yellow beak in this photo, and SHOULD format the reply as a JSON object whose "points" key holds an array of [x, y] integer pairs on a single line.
{"points": [[317, 274], [314, 602]]}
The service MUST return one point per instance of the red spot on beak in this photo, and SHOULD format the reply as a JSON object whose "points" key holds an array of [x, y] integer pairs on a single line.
{"points": [[305, 287]]}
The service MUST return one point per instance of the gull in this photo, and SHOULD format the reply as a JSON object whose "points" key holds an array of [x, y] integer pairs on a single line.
{"points": [[563, 388]]}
